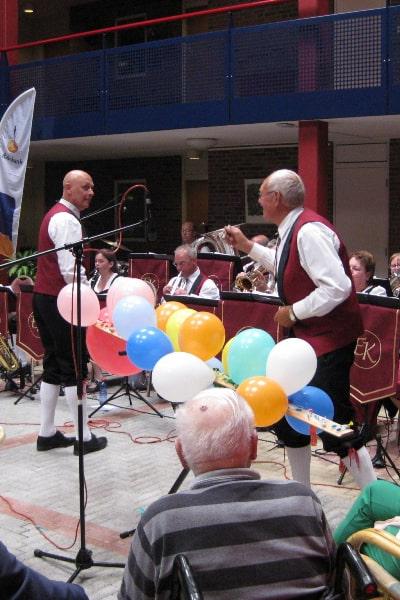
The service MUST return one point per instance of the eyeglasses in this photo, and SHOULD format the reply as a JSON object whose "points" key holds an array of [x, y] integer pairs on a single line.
{"points": [[180, 262]]}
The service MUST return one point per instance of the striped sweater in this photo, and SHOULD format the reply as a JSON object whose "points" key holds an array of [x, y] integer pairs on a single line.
{"points": [[246, 539]]}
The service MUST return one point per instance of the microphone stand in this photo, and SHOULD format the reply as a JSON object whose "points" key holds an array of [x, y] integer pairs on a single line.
{"points": [[83, 559]]}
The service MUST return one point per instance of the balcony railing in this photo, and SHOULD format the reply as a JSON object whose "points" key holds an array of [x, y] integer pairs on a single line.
{"points": [[341, 65]]}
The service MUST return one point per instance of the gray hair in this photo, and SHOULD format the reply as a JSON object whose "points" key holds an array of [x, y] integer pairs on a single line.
{"points": [[191, 252], [214, 425], [290, 185]]}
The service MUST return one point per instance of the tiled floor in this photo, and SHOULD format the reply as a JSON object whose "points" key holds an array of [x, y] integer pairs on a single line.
{"points": [[39, 491]]}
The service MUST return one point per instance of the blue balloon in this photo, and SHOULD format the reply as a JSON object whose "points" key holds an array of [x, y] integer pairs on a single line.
{"points": [[131, 313], [248, 354], [314, 399], [146, 346]]}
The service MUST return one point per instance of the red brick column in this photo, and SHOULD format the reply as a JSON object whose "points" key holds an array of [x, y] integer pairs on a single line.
{"points": [[9, 26]]}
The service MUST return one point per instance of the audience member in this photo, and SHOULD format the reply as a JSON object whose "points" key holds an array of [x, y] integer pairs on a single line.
{"points": [[378, 505], [245, 537], [311, 268], [362, 269], [190, 281]]}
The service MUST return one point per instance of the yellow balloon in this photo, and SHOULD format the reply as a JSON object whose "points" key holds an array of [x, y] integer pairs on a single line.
{"points": [[164, 311], [202, 334], [266, 397], [174, 324], [225, 353]]}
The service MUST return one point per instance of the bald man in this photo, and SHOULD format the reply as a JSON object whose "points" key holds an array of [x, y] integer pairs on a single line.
{"points": [[61, 225], [245, 537]]}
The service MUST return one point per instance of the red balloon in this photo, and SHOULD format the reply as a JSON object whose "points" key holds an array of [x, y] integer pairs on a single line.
{"points": [[104, 348]]}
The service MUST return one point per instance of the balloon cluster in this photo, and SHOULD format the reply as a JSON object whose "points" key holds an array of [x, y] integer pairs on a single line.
{"points": [[180, 346]]}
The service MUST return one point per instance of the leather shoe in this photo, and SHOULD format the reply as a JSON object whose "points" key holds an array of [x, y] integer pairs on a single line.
{"points": [[58, 440], [379, 461], [92, 445]]}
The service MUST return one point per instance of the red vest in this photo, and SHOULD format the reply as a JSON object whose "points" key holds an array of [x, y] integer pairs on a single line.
{"points": [[48, 278], [343, 324]]}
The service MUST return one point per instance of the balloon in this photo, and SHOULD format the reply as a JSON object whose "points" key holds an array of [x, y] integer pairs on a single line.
{"points": [[128, 286], [146, 346], [314, 399], [292, 363], [225, 356], [266, 397], [179, 376], [104, 348], [164, 311], [202, 334], [104, 316], [67, 304], [131, 313], [248, 353], [216, 364], [174, 324]]}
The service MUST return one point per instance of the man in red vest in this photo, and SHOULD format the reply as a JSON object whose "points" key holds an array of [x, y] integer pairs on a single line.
{"points": [[60, 226], [310, 266]]}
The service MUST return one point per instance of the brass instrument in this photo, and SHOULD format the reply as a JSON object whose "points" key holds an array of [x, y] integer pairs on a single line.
{"points": [[215, 241], [395, 285], [247, 282], [8, 360]]}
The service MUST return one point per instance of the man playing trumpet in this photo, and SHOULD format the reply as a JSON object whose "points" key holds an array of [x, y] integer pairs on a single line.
{"points": [[310, 265]]}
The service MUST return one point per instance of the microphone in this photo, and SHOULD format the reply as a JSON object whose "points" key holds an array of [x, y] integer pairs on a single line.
{"points": [[150, 230]]}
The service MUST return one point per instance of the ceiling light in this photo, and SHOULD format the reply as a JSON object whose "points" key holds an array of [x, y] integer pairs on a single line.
{"points": [[193, 154], [28, 8], [286, 125]]}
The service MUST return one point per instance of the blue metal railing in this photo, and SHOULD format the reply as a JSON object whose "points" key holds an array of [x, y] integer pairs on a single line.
{"points": [[339, 65]]}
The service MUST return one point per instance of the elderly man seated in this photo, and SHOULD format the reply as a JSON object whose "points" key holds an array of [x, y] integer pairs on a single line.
{"points": [[245, 537], [190, 281]]}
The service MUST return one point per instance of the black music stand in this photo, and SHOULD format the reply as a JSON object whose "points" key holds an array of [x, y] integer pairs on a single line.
{"points": [[123, 391]]}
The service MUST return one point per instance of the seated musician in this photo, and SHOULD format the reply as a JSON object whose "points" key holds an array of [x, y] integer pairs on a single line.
{"points": [[254, 278], [190, 281]]}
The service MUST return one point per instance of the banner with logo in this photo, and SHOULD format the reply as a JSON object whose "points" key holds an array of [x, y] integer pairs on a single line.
{"points": [[28, 337], [376, 357], [15, 136]]}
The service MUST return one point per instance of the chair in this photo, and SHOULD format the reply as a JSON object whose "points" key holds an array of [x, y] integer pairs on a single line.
{"points": [[388, 586], [348, 560], [184, 585]]}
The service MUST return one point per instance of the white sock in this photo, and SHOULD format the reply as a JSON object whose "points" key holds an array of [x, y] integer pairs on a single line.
{"points": [[48, 402], [71, 396], [361, 470], [300, 461]]}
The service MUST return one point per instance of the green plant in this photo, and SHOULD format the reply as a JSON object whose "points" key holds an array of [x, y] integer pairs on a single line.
{"points": [[23, 269]]}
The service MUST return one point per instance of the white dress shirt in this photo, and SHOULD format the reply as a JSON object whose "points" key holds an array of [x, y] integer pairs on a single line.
{"points": [[63, 229], [208, 289], [318, 248]]}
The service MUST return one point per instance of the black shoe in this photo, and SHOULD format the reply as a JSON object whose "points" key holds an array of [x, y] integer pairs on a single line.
{"points": [[58, 440], [92, 445], [62, 392], [11, 386]]}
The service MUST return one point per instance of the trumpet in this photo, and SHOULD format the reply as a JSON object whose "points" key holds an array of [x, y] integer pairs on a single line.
{"points": [[247, 282]]}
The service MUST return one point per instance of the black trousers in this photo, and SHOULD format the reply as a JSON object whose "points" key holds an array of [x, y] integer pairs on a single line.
{"points": [[59, 342], [332, 376]]}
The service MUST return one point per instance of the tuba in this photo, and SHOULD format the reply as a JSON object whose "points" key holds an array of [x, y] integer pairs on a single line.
{"points": [[215, 241], [395, 284]]}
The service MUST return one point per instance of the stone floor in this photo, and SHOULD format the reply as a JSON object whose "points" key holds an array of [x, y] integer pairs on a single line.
{"points": [[39, 492]]}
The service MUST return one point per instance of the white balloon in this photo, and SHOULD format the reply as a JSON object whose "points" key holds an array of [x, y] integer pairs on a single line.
{"points": [[67, 305], [179, 376], [292, 363]]}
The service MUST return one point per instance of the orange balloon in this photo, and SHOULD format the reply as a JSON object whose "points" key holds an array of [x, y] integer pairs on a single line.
{"points": [[266, 397], [202, 334], [164, 311]]}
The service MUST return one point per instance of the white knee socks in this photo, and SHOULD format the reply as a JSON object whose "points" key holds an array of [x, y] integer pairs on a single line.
{"points": [[300, 461], [361, 469], [71, 396], [48, 402]]}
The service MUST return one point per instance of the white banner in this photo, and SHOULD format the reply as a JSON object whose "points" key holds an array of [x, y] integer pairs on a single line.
{"points": [[15, 137]]}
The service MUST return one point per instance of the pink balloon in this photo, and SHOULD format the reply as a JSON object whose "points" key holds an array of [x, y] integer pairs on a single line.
{"points": [[104, 316], [128, 286], [67, 305]]}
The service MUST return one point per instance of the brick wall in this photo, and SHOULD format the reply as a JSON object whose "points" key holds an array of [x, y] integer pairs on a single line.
{"points": [[394, 196], [252, 16], [227, 171], [163, 177]]}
